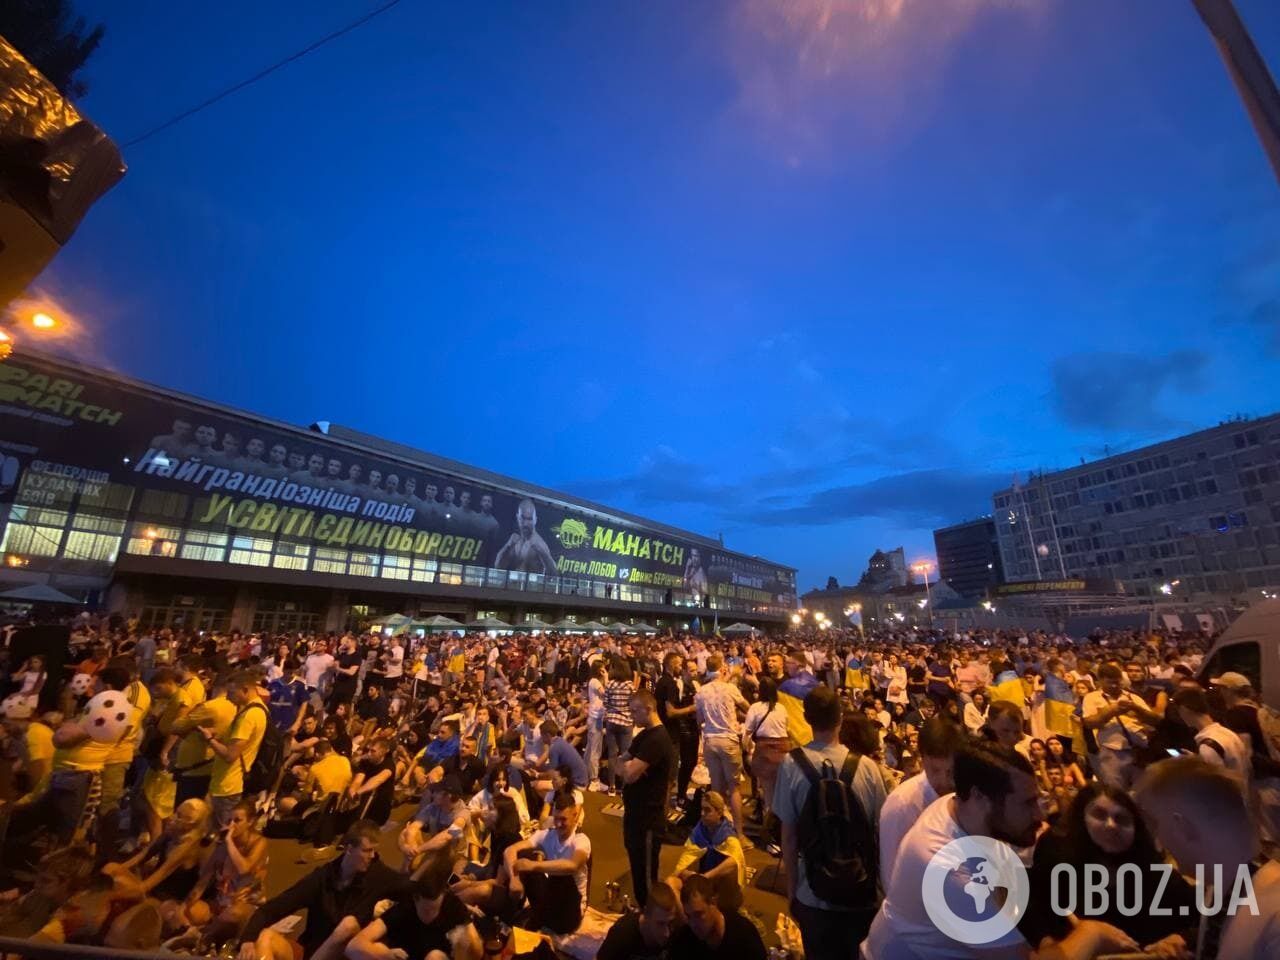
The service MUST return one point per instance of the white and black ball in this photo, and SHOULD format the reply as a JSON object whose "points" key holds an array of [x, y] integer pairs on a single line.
{"points": [[108, 716], [81, 684]]}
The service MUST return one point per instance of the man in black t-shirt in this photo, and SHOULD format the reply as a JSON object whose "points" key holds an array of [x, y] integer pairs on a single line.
{"points": [[646, 771], [346, 674], [645, 935], [419, 926], [710, 933]]}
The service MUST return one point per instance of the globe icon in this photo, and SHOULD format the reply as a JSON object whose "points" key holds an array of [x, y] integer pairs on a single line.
{"points": [[972, 895]]}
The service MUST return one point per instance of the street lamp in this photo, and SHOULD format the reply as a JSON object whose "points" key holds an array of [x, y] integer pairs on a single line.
{"points": [[923, 567], [42, 321]]}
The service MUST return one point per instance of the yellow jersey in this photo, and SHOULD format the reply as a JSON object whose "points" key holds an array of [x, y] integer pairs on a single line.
{"points": [[39, 742], [139, 698], [193, 754], [88, 756], [249, 724], [332, 774]]}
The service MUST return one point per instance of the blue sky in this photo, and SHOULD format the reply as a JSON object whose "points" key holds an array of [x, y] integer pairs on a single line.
{"points": [[818, 275]]}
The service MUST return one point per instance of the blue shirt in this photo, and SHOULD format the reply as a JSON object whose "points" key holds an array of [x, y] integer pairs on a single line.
{"points": [[287, 698], [563, 754]]}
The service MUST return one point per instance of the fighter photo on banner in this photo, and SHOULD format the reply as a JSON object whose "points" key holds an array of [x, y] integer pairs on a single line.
{"points": [[65, 431]]}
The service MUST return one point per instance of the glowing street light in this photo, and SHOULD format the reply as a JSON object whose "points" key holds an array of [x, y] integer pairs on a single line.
{"points": [[923, 567], [42, 321], [795, 618], [988, 606]]}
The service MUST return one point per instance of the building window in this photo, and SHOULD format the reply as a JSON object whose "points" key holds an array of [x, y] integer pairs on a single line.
{"points": [[364, 564], [291, 556], [424, 571], [396, 567], [203, 545], [252, 551], [329, 560]]}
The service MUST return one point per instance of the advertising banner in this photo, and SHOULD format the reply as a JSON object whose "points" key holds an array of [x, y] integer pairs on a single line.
{"points": [[66, 429]]}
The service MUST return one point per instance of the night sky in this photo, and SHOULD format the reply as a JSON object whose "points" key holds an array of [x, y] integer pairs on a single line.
{"points": [[819, 276]]}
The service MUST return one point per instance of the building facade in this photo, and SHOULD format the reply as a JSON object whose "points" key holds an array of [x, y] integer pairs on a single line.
{"points": [[184, 512], [969, 557], [1192, 517]]}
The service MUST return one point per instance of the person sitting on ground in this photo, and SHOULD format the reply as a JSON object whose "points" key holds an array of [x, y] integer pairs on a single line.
{"points": [[58, 875], [371, 792], [645, 935], [713, 851], [429, 924], [329, 775], [711, 933], [167, 867], [338, 897], [439, 824], [237, 871], [556, 885]]}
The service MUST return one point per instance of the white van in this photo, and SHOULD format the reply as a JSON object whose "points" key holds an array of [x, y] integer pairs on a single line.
{"points": [[1250, 646]]}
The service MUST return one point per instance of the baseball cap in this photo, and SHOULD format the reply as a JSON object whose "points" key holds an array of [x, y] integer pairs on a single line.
{"points": [[1232, 681]]}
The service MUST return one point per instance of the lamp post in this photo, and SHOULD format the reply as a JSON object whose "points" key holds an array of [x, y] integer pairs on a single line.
{"points": [[923, 567]]}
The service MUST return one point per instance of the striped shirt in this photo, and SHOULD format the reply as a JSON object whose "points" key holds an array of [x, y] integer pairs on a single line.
{"points": [[617, 703]]}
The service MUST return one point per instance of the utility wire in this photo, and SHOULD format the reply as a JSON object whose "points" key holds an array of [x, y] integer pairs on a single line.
{"points": [[249, 81]]}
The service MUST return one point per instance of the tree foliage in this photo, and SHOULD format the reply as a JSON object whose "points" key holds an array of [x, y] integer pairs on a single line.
{"points": [[56, 41]]}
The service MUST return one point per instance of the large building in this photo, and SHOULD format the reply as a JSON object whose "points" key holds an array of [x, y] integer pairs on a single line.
{"points": [[1192, 517], [969, 557], [183, 512]]}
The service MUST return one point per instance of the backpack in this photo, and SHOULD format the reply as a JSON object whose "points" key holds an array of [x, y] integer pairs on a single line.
{"points": [[836, 838], [269, 762]]}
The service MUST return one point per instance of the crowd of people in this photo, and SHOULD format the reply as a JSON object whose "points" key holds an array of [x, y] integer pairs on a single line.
{"points": [[144, 779]]}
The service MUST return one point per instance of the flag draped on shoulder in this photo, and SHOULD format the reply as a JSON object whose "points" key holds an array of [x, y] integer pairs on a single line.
{"points": [[791, 694]]}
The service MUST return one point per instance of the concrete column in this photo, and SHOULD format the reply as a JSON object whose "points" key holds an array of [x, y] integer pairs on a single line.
{"points": [[336, 615], [243, 608]]}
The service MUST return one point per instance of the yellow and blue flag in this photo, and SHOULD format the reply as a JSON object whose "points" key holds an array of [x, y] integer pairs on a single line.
{"points": [[791, 694]]}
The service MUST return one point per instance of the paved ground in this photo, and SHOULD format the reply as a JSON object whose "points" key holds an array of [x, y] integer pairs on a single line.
{"points": [[609, 863]]}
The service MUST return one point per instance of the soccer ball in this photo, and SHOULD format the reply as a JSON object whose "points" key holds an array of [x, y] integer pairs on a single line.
{"points": [[17, 706], [81, 684], [108, 716]]}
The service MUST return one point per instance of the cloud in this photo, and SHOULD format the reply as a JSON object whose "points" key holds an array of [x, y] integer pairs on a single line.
{"points": [[809, 71], [1120, 391], [663, 477], [919, 498]]}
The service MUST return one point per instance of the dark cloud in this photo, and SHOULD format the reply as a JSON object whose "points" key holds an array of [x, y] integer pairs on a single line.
{"points": [[920, 498], [663, 478], [1120, 391]]}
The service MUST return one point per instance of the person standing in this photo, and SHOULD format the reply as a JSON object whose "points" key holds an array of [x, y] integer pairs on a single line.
{"points": [[234, 756], [646, 770], [721, 706], [617, 716], [676, 709], [1120, 721], [595, 724], [939, 740], [829, 930]]}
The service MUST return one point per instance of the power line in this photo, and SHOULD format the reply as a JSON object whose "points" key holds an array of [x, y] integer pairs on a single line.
{"points": [[249, 81]]}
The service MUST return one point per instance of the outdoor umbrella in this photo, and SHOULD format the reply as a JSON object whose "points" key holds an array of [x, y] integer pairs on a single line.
{"points": [[740, 628], [568, 626], [592, 626], [642, 628], [617, 627]]}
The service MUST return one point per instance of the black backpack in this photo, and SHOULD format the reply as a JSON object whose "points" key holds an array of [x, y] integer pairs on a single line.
{"points": [[836, 838], [269, 762]]}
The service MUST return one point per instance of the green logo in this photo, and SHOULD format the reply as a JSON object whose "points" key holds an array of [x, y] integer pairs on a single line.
{"points": [[572, 533]]}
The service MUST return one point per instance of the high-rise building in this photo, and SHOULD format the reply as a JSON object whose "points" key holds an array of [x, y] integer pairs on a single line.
{"points": [[969, 557], [1196, 515]]}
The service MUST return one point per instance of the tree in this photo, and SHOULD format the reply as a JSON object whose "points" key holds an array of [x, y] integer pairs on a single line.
{"points": [[56, 41]]}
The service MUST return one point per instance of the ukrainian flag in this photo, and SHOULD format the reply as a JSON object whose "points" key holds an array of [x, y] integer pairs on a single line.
{"points": [[791, 694], [1007, 686], [854, 677], [1059, 706]]}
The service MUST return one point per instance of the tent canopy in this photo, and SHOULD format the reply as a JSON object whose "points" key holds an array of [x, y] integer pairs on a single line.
{"points": [[533, 624], [489, 623], [642, 628], [593, 626], [439, 622], [740, 628], [568, 626], [38, 593]]}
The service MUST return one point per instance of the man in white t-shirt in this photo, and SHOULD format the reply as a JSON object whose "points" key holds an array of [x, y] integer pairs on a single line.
{"points": [[394, 669], [996, 798], [1121, 722], [939, 740], [1214, 743], [566, 854], [316, 669]]}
